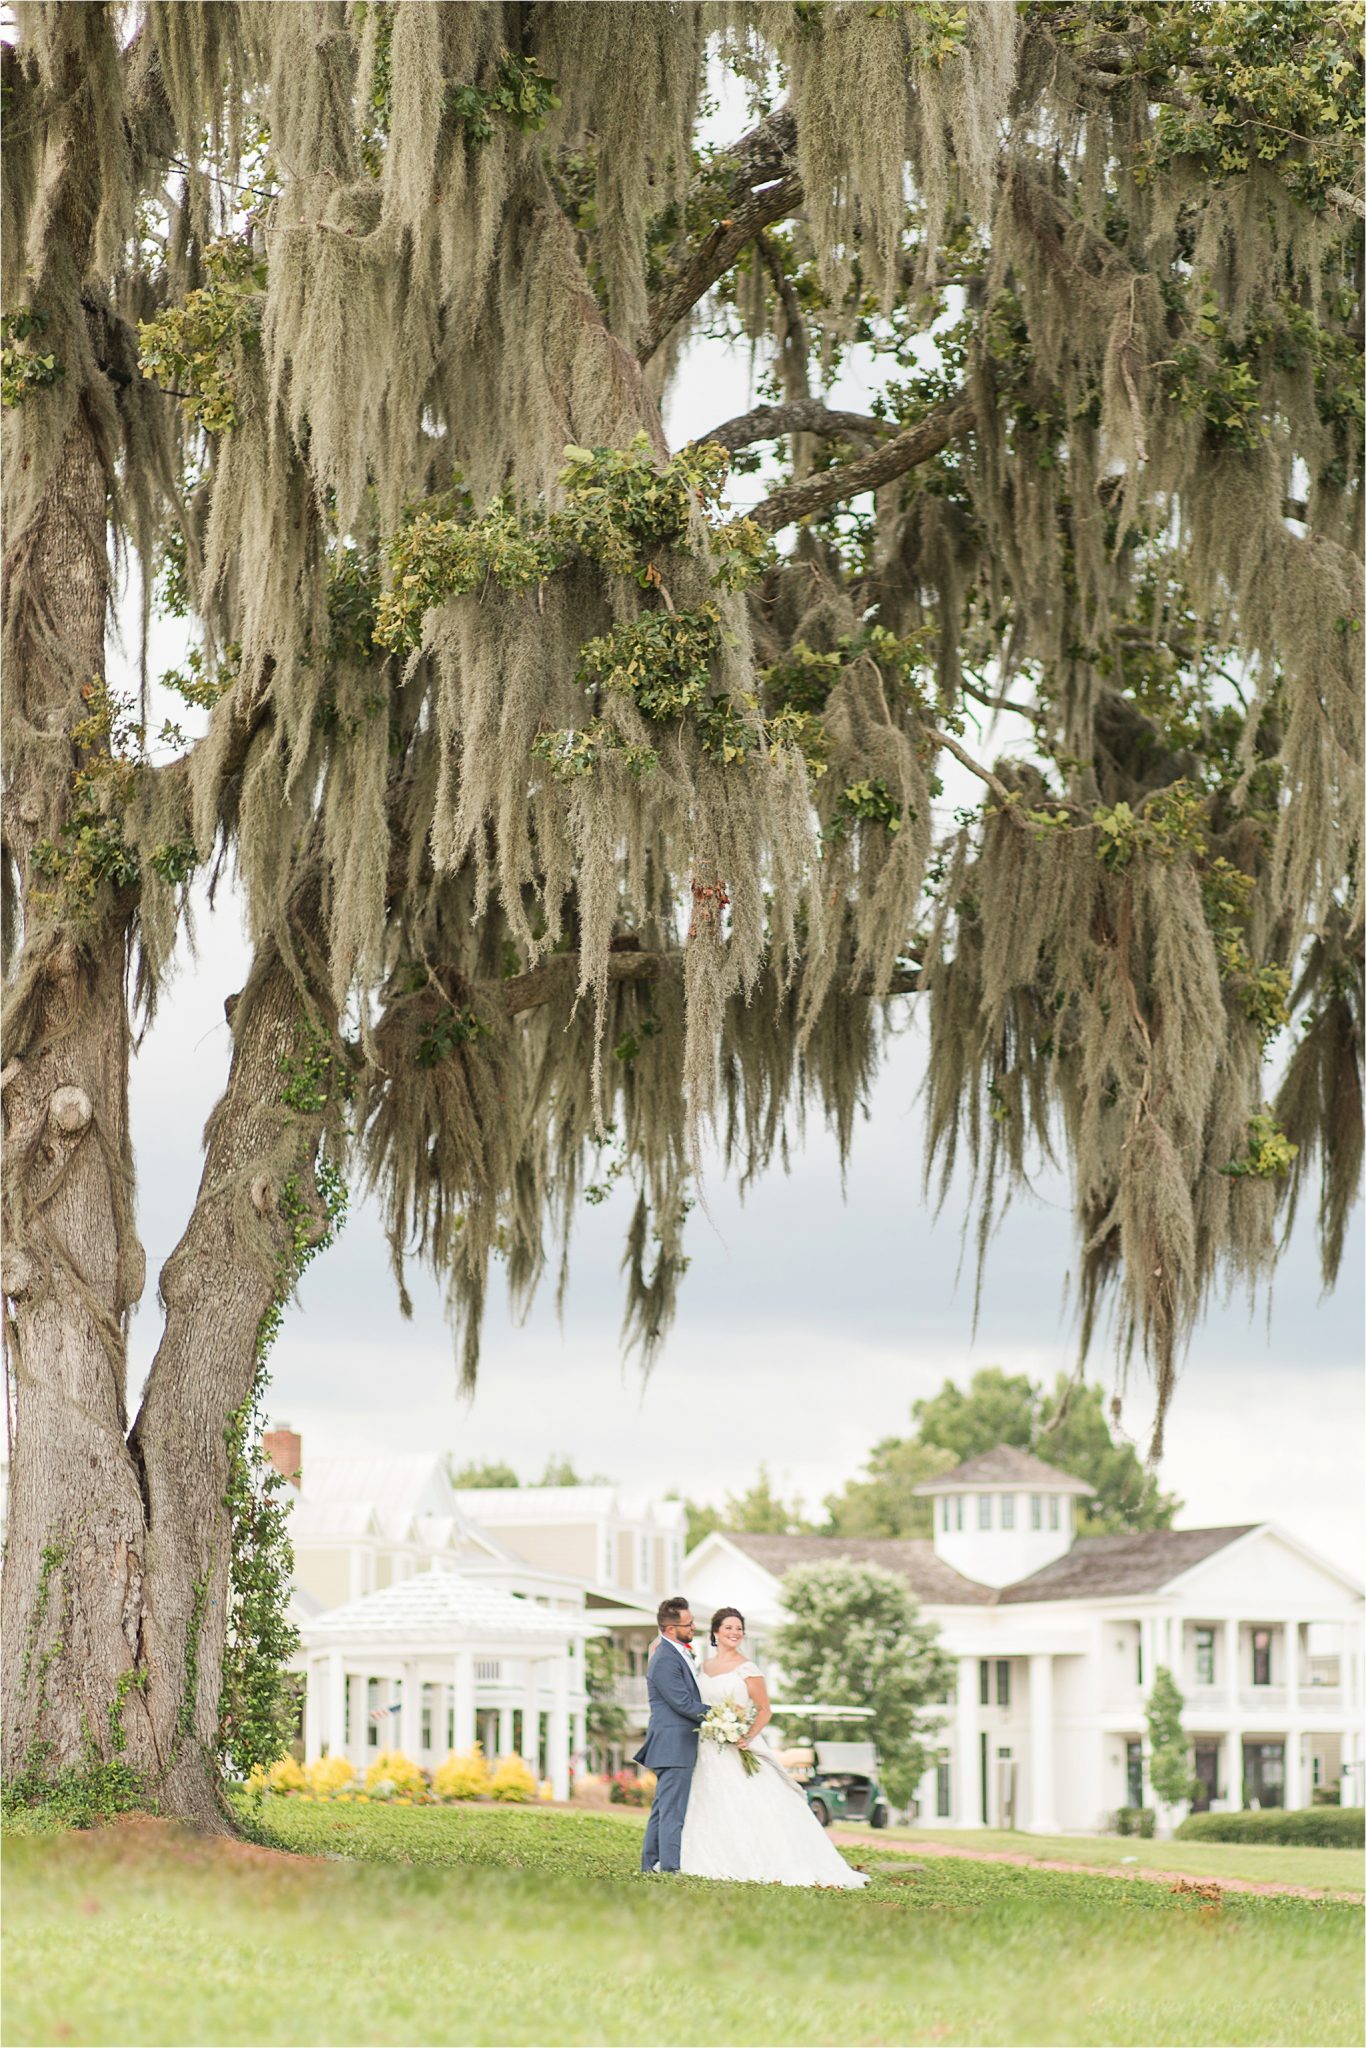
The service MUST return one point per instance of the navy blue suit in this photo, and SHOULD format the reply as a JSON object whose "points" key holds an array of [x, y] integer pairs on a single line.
{"points": [[677, 1711]]}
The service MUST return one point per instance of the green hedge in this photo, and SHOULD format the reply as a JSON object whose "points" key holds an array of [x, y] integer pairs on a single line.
{"points": [[1317, 1827], [1136, 1820]]}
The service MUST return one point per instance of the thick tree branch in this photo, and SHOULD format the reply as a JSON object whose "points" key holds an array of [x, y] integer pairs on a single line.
{"points": [[694, 278], [558, 977], [833, 486], [800, 416]]}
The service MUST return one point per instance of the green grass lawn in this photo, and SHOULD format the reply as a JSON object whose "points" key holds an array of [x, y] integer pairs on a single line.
{"points": [[437, 1925], [1341, 1870]]}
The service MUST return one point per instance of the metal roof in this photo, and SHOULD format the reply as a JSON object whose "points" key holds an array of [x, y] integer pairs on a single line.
{"points": [[446, 1606]]}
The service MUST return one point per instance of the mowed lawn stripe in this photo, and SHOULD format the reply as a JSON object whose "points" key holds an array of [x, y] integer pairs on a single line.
{"points": [[455, 1925]]}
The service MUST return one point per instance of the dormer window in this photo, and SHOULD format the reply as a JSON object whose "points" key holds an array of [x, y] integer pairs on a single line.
{"points": [[984, 1510], [1007, 1511], [1036, 1511]]}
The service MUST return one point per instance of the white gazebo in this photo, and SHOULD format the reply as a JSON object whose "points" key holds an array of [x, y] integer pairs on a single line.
{"points": [[453, 1659]]}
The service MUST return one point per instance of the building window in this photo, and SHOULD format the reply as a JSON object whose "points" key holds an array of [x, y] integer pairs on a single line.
{"points": [[959, 1504], [450, 1723], [1003, 1681], [1133, 1773], [1036, 1511], [1204, 1656], [983, 1683], [941, 1789], [1007, 1511], [1264, 1773], [643, 1562], [371, 1709], [425, 1737], [609, 1556], [984, 1510], [1261, 1656], [1138, 1659], [1052, 1510], [1317, 1768]]}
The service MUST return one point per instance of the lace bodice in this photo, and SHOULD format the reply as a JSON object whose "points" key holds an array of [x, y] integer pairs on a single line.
{"points": [[728, 1685]]}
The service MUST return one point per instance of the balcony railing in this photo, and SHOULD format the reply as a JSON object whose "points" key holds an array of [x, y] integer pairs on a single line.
{"points": [[632, 1692]]}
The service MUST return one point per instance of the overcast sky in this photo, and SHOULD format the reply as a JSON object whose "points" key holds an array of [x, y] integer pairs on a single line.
{"points": [[809, 1321]]}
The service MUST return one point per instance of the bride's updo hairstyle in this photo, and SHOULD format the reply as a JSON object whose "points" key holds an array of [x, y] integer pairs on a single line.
{"points": [[724, 1614]]}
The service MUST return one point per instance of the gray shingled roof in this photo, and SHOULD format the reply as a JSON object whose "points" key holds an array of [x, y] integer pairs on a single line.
{"points": [[910, 1557], [1098, 1566], [1005, 1466], [1095, 1568]]}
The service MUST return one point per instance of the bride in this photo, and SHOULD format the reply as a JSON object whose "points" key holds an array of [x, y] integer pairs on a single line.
{"points": [[757, 1827]]}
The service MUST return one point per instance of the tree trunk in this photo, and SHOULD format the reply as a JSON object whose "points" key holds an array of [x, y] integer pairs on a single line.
{"points": [[73, 1268], [237, 1256]]}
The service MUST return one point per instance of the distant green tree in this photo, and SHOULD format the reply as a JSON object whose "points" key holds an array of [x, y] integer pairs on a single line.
{"points": [[1169, 1771], [759, 1511], [854, 1637], [560, 1471], [1067, 1428], [477, 1473], [883, 1502]]}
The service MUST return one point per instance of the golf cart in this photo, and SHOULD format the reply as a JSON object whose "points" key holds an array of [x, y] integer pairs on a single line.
{"points": [[839, 1778]]}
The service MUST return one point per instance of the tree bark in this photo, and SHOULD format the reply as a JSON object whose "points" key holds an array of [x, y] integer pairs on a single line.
{"points": [[231, 1263], [73, 1269]]}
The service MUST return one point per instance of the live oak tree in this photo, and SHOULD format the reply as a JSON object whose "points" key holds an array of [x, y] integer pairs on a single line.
{"points": [[573, 816]]}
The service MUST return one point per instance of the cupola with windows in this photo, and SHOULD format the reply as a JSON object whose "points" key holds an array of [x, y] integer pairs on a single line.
{"points": [[1002, 1515]]}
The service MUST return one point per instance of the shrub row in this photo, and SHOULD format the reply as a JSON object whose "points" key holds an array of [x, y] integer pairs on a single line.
{"points": [[393, 1777], [1136, 1820], [1317, 1827]]}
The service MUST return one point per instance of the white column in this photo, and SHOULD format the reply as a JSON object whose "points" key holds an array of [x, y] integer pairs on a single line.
{"points": [[313, 1717], [410, 1712], [531, 1720], [559, 1730], [927, 1798], [967, 1750], [578, 1736], [1147, 1634], [464, 1700], [336, 1703], [505, 1731], [1232, 1675], [1294, 1766], [1042, 1820], [1291, 1634]]}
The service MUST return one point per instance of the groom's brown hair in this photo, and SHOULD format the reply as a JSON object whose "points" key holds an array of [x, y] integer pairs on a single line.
{"points": [[669, 1611]]}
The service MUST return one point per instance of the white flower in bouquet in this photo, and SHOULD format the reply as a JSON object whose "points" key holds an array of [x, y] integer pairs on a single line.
{"points": [[730, 1723]]}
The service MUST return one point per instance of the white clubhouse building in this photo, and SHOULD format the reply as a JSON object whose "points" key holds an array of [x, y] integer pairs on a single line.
{"points": [[1056, 1639]]}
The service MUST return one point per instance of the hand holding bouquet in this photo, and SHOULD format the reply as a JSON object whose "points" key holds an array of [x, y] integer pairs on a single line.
{"points": [[730, 1723]]}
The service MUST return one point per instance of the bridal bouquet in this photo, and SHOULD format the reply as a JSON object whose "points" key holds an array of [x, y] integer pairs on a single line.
{"points": [[729, 1723]]}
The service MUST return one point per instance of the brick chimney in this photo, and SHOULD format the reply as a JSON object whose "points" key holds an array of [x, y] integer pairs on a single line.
{"points": [[285, 1449]]}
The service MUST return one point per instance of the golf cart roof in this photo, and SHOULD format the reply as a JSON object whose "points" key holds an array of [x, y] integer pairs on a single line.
{"points": [[826, 1712]]}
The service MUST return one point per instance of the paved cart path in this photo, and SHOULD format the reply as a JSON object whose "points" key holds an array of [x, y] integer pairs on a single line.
{"points": [[1179, 1880]]}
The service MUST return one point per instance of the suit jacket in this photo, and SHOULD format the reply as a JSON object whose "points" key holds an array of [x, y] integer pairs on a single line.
{"points": [[677, 1710]]}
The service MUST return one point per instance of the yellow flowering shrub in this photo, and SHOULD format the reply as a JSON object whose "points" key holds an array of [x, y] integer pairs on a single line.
{"points": [[512, 1779], [545, 1790], [284, 1775], [463, 1776], [328, 1776], [392, 1775]]}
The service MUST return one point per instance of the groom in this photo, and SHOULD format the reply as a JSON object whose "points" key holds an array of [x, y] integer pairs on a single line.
{"points": [[677, 1711]]}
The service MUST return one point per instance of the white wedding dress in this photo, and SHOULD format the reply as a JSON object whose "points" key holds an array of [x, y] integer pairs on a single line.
{"points": [[755, 1828]]}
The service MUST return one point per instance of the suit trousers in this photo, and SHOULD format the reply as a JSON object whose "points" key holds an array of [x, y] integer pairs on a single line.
{"points": [[664, 1829]]}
